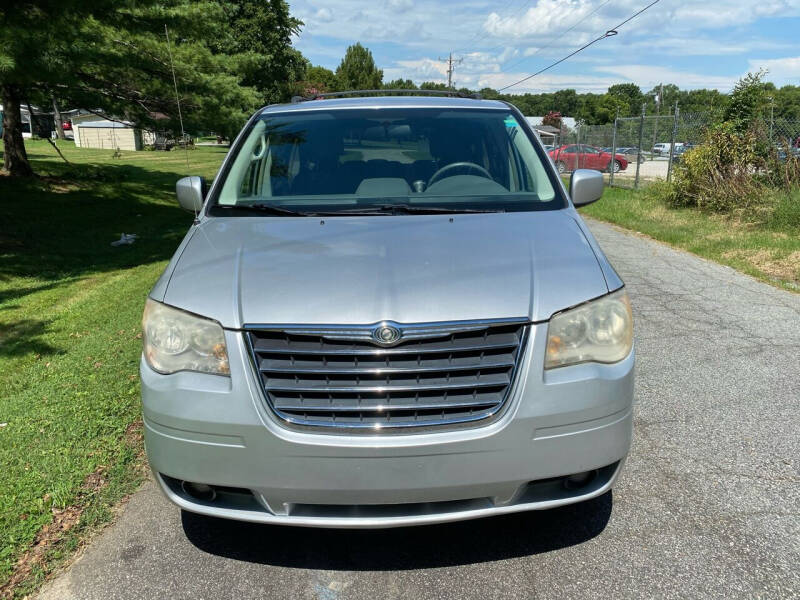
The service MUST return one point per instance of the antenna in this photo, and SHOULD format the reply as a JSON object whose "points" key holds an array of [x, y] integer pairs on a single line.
{"points": [[177, 98]]}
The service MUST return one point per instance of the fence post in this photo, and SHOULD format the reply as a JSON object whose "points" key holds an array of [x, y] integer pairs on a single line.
{"points": [[578, 145], [641, 141], [672, 144], [613, 150]]}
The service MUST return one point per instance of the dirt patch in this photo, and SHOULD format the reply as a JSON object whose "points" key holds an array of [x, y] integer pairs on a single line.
{"points": [[786, 268], [134, 438], [64, 519]]}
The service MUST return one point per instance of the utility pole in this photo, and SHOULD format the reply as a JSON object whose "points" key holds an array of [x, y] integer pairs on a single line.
{"points": [[614, 151], [659, 100], [771, 116], [641, 141], [451, 66]]}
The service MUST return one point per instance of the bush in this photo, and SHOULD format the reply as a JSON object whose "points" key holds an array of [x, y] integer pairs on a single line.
{"points": [[728, 172]]}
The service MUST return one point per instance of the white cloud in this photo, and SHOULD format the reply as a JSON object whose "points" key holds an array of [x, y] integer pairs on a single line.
{"points": [[781, 70], [324, 15], [545, 18], [401, 5]]}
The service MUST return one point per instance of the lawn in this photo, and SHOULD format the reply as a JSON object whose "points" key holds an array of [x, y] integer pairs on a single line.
{"points": [[768, 250], [70, 306]]}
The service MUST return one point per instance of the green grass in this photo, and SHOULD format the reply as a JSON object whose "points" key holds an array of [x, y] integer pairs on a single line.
{"points": [[70, 306], [768, 250]]}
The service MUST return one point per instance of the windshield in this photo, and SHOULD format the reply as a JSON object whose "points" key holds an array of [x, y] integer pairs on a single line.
{"points": [[352, 160]]}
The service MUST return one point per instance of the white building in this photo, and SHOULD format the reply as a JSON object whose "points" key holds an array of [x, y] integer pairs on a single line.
{"points": [[92, 131]]}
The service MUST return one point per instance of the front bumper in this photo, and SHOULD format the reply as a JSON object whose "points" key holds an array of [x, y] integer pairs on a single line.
{"points": [[219, 431]]}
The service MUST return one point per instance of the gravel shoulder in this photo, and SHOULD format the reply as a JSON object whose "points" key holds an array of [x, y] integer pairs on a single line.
{"points": [[708, 507]]}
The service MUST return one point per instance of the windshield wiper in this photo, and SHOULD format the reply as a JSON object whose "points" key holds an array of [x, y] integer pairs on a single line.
{"points": [[405, 209], [270, 209]]}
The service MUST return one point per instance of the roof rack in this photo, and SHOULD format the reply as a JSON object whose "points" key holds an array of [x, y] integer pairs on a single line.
{"points": [[450, 93]]}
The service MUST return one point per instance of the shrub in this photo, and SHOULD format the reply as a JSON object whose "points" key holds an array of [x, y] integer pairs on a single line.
{"points": [[726, 173]]}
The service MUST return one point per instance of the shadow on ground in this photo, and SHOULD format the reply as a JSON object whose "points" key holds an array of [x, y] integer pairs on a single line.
{"points": [[467, 542], [53, 228], [25, 336]]}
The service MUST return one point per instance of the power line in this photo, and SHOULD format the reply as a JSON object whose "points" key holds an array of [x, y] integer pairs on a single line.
{"points": [[555, 36], [610, 33]]}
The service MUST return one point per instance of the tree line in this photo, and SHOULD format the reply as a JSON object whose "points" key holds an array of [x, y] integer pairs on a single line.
{"points": [[229, 57]]}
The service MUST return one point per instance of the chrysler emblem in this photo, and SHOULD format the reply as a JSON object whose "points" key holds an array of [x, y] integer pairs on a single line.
{"points": [[386, 335]]}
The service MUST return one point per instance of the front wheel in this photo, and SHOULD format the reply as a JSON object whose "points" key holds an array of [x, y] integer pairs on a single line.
{"points": [[562, 168], [615, 165]]}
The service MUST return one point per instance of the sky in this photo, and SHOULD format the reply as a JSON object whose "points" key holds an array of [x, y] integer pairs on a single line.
{"points": [[691, 43]]}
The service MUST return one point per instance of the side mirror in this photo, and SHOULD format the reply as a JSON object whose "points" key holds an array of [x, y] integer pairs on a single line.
{"points": [[190, 192], [585, 186]]}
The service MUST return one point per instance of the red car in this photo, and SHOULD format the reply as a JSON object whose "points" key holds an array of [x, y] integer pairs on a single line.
{"points": [[574, 156]]}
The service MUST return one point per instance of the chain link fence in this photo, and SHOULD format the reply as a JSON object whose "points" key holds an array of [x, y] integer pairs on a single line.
{"points": [[647, 148]]}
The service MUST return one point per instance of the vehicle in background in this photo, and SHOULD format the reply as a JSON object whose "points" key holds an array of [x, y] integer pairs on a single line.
{"points": [[580, 156], [783, 155], [663, 148], [631, 153]]}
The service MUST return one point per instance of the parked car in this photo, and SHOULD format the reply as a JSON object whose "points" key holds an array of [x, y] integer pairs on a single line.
{"points": [[387, 312], [66, 125], [663, 148], [631, 153], [575, 156], [782, 154], [678, 152]]}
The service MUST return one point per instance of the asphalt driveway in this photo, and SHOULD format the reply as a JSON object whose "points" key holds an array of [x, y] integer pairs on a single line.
{"points": [[709, 504]]}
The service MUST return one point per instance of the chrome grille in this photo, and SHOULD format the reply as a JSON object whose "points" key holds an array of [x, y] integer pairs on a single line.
{"points": [[341, 379]]}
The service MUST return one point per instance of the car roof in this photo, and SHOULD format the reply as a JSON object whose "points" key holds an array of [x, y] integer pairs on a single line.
{"points": [[409, 101]]}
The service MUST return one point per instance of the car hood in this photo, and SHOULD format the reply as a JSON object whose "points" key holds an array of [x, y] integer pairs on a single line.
{"points": [[364, 269]]}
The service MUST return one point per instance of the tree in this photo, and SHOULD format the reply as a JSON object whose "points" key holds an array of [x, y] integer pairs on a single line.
{"points": [[566, 102], [319, 80], [400, 84], [30, 47], [552, 119], [631, 95], [746, 101], [260, 32], [113, 55], [433, 85], [357, 71]]}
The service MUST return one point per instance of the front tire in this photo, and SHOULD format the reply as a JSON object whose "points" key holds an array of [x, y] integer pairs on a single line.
{"points": [[562, 167], [614, 165]]}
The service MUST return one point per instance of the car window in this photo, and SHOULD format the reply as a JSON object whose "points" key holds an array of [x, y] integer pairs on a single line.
{"points": [[589, 150], [341, 159], [570, 149]]}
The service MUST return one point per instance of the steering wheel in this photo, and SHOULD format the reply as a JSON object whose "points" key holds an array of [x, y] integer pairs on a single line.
{"points": [[458, 165]]}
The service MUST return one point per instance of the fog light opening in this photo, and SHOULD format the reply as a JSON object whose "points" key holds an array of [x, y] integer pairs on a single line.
{"points": [[580, 480], [199, 491]]}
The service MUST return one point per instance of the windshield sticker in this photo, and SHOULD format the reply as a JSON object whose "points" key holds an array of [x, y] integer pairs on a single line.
{"points": [[511, 121]]}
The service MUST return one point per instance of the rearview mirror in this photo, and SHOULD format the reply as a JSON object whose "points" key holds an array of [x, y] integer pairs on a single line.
{"points": [[585, 186], [190, 192]]}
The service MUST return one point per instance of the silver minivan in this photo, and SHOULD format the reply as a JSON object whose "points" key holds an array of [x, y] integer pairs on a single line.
{"points": [[387, 312]]}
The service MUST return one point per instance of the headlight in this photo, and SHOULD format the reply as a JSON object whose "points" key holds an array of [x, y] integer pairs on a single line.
{"points": [[178, 341], [598, 331]]}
